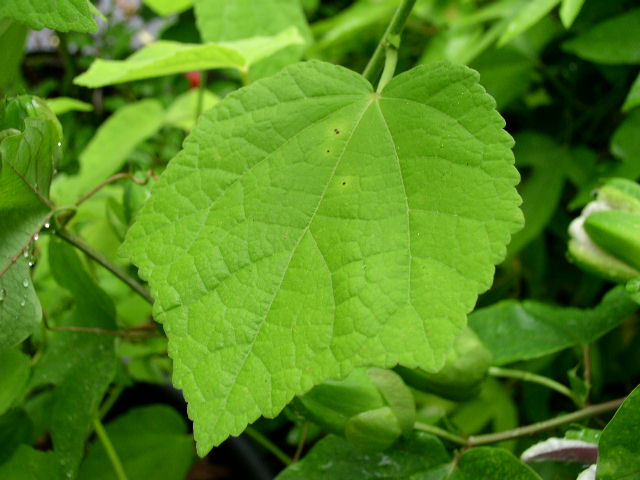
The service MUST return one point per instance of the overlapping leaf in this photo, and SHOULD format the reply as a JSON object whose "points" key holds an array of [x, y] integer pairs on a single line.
{"points": [[166, 57], [223, 21], [61, 15], [515, 331], [619, 443], [311, 225]]}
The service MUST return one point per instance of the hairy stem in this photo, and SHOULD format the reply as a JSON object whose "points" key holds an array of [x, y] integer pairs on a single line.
{"points": [[533, 378], [80, 244], [268, 445], [476, 440], [390, 39], [303, 439], [111, 452]]}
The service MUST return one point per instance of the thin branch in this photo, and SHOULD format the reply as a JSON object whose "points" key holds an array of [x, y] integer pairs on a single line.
{"points": [[533, 378], [268, 445], [390, 37], [303, 439], [586, 354], [440, 432], [104, 261], [110, 450], [117, 176], [103, 331], [476, 440], [534, 428]]}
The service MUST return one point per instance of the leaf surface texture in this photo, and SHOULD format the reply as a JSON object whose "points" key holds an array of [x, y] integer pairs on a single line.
{"points": [[311, 226]]}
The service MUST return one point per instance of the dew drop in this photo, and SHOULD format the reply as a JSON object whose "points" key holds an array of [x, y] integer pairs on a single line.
{"points": [[59, 144], [31, 263], [25, 254], [36, 236], [25, 283], [3, 294], [23, 302], [47, 225]]}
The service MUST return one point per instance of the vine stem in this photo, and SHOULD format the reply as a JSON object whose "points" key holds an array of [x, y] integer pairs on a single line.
{"points": [[111, 452], [80, 244], [389, 41], [533, 378], [268, 445], [476, 440]]}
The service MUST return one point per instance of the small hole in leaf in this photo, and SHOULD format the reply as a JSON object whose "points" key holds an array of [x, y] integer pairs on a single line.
{"points": [[344, 183], [337, 131], [328, 151]]}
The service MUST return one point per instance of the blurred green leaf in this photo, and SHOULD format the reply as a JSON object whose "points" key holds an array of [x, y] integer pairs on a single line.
{"points": [[569, 10], [224, 21], [619, 443], [613, 41], [544, 161], [16, 367], [333, 457], [168, 7], [12, 38], [16, 428], [625, 142], [108, 150], [633, 97], [152, 442], [62, 105], [61, 15], [81, 365], [29, 464], [528, 15], [182, 112], [166, 57], [515, 331]]}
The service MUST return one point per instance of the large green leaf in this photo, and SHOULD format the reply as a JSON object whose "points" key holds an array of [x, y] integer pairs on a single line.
{"points": [[108, 150], [151, 441], [62, 15], [333, 457], [613, 41], [619, 444], [515, 331], [224, 21], [166, 57], [342, 226]]}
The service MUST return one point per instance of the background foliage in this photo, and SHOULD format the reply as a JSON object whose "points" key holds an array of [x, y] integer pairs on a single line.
{"points": [[552, 348]]}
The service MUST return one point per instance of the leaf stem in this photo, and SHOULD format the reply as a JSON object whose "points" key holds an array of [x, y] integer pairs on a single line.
{"points": [[80, 244], [476, 440], [110, 401], [440, 432], [533, 378], [268, 445], [390, 40], [303, 439], [111, 452], [546, 424]]}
